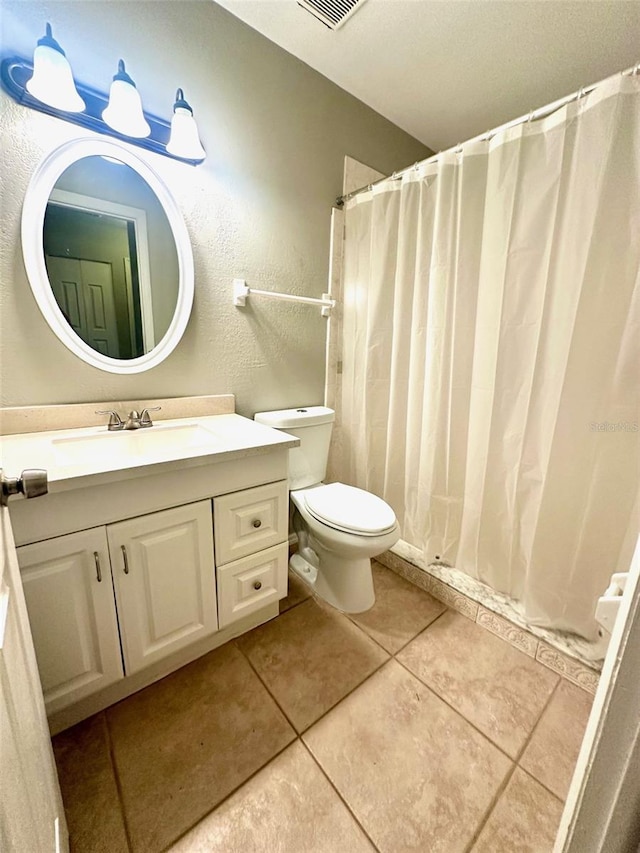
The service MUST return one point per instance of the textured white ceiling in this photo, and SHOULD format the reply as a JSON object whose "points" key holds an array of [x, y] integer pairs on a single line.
{"points": [[446, 70]]}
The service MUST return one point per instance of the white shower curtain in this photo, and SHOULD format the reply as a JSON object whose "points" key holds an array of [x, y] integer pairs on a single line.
{"points": [[491, 353]]}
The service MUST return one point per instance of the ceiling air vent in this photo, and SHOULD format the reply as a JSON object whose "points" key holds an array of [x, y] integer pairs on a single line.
{"points": [[332, 13]]}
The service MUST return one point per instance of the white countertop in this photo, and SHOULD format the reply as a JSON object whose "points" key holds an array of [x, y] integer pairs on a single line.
{"points": [[75, 458]]}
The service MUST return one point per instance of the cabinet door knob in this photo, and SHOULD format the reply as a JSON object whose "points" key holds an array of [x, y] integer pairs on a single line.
{"points": [[257, 585], [125, 558], [96, 557], [257, 523]]}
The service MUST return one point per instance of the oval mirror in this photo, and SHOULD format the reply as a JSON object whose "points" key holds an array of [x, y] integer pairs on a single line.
{"points": [[107, 255]]}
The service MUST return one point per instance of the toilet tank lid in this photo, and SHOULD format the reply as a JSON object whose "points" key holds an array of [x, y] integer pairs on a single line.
{"points": [[304, 416]]}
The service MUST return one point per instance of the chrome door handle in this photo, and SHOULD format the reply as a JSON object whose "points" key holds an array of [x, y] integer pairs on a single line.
{"points": [[96, 557], [32, 483], [125, 558]]}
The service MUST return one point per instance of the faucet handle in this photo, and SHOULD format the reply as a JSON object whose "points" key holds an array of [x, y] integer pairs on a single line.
{"points": [[145, 417], [115, 421]]}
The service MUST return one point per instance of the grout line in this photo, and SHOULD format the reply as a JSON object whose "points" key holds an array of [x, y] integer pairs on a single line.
{"points": [[540, 716], [328, 710], [456, 711], [117, 781], [229, 795], [538, 782], [494, 802], [282, 612], [340, 797], [262, 681], [507, 779], [447, 609]]}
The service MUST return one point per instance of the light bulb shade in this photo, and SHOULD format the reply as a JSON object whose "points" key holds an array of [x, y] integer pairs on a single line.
{"points": [[52, 81], [184, 140], [124, 111]]}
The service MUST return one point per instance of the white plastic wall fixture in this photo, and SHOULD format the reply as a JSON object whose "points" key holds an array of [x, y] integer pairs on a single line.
{"points": [[609, 603]]}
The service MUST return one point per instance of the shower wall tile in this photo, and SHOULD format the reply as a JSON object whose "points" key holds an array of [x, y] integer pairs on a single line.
{"points": [[569, 668], [507, 631]]}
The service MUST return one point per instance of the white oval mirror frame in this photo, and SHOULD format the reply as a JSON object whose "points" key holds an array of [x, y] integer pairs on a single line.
{"points": [[33, 213]]}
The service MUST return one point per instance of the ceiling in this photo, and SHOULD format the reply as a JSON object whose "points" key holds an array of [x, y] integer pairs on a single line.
{"points": [[447, 70]]}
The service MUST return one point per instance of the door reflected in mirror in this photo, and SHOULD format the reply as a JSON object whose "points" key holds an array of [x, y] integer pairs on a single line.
{"points": [[111, 257]]}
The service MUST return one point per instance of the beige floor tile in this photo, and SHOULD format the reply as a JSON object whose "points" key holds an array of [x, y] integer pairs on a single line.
{"points": [[310, 657], [416, 775], [525, 819], [401, 610], [183, 744], [88, 785], [288, 807], [298, 591], [499, 689], [553, 750]]}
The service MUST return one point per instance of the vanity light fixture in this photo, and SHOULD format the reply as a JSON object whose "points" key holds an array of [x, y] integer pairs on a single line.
{"points": [[47, 85], [184, 140], [124, 112], [52, 79]]}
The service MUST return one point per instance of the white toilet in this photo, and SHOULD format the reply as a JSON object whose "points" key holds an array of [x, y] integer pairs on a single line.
{"points": [[339, 527]]}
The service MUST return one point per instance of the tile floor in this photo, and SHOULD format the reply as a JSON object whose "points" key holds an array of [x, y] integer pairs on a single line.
{"points": [[407, 728]]}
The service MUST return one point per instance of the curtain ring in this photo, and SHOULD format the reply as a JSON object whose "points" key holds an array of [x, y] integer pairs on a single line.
{"points": [[636, 69], [458, 149], [530, 116], [580, 93], [416, 165]]}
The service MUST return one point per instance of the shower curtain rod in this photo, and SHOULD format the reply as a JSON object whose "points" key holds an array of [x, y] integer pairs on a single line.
{"points": [[541, 112]]}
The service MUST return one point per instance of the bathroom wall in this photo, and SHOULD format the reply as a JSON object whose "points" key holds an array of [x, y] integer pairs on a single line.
{"points": [[276, 133]]}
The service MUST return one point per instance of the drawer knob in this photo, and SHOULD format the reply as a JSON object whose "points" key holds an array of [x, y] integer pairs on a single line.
{"points": [[257, 585], [257, 523]]}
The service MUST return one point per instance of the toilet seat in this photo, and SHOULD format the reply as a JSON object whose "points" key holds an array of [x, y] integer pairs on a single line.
{"points": [[349, 509]]}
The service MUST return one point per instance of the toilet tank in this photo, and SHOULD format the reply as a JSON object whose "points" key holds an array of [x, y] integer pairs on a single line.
{"points": [[312, 425]]}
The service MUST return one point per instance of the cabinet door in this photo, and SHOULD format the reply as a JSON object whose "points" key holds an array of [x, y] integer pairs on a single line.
{"points": [[164, 578], [69, 593]]}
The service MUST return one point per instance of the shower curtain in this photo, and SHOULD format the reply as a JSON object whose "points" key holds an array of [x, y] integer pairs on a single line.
{"points": [[491, 353]]}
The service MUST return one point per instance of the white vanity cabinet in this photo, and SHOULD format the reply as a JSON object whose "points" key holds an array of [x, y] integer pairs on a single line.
{"points": [[160, 567], [149, 550]]}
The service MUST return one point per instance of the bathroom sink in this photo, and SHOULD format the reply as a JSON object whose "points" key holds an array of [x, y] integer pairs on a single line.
{"points": [[87, 456], [132, 444]]}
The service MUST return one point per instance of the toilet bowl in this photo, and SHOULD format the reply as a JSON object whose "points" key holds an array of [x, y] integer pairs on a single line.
{"points": [[339, 527]]}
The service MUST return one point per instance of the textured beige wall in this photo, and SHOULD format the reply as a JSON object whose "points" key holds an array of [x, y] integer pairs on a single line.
{"points": [[276, 133]]}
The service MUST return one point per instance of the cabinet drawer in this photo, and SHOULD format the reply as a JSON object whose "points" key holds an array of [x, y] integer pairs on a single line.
{"points": [[250, 520], [246, 585]]}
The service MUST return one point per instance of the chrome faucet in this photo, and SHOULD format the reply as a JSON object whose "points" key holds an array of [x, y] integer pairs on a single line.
{"points": [[142, 420], [135, 420]]}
